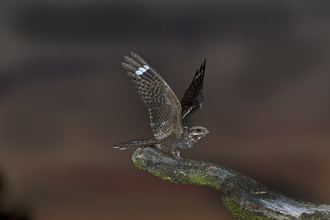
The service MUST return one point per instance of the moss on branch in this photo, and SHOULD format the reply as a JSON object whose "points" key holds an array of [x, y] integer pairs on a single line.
{"points": [[243, 196]]}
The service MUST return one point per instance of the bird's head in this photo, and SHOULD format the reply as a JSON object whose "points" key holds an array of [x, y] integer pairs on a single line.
{"points": [[198, 132]]}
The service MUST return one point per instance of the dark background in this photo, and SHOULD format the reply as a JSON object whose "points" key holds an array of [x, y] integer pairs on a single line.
{"points": [[65, 100]]}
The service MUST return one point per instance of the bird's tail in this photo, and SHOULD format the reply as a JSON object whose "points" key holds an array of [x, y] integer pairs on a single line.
{"points": [[145, 142]]}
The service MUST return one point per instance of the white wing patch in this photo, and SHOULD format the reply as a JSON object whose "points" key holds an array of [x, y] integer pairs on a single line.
{"points": [[138, 72], [141, 70]]}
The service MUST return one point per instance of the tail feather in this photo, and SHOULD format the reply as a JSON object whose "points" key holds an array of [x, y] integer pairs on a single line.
{"points": [[145, 142]]}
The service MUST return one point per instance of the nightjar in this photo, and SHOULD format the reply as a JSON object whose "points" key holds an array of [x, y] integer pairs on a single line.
{"points": [[170, 120]]}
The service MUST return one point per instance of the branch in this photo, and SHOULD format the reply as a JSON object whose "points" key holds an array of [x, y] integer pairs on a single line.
{"points": [[244, 197]]}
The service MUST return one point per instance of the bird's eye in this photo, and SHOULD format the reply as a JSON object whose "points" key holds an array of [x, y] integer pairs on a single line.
{"points": [[198, 130]]}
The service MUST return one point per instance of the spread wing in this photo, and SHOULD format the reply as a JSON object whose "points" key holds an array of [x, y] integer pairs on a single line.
{"points": [[164, 107], [192, 99]]}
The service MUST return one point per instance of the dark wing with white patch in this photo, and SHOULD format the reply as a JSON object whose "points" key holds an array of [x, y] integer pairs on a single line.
{"points": [[164, 107], [192, 99]]}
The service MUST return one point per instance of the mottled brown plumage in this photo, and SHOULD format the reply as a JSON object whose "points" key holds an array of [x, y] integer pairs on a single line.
{"points": [[170, 120]]}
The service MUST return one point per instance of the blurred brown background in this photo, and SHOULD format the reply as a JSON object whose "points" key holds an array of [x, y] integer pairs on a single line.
{"points": [[65, 100]]}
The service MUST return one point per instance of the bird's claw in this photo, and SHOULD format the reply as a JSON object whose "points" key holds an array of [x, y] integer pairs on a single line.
{"points": [[177, 155]]}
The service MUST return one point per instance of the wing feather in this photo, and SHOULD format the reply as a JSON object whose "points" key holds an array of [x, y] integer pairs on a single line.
{"points": [[164, 107], [192, 99]]}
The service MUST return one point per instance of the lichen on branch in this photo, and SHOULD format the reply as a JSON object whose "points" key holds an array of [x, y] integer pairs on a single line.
{"points": [[243, 196]]}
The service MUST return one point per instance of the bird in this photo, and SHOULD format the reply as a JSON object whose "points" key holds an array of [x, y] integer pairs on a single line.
{"points": [[170, 120]]}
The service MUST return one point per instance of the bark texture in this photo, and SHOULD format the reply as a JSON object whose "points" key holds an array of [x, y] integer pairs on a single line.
{"points": [[243, 196]]}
